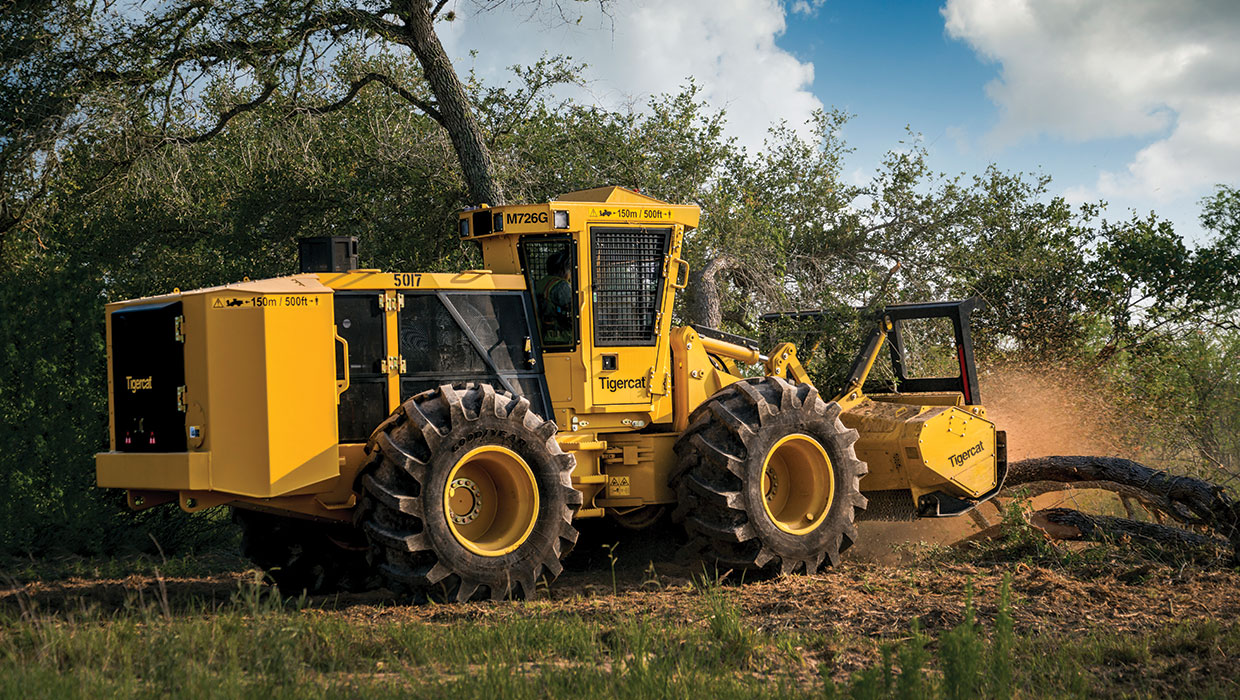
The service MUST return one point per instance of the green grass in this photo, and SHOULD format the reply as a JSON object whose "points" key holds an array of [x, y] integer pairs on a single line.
{"points": [[189, 565], [258, 645]]}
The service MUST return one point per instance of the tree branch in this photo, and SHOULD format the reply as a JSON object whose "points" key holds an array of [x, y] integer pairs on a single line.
{"points": [[268, 90], [356, 86]]}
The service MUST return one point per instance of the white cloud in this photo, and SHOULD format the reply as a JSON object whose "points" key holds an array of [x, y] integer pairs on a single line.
{"points": [[1156, 69], [807, 7], [647, 48]]}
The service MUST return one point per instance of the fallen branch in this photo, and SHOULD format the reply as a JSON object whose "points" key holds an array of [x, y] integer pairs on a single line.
{"points": [[1068, 524], [1190, 501]]}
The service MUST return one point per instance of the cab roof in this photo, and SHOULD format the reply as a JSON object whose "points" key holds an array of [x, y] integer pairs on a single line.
{"points": [[573, 211]]}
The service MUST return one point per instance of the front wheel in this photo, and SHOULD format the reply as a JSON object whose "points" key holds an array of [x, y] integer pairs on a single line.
{"points": [[768, 478], [466, 495]]}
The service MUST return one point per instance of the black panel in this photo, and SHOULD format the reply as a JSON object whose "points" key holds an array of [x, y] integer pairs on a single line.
{"points": [[362, 408], [534, 388], [360, 321], [148, 369], [498, 322], [628, 283], [448, 338], [412, 386], [431, 341], [327, 253]]}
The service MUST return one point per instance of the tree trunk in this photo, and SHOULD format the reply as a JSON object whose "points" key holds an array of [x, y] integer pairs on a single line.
{"points": [[455, 112], [702, 303], [1187, 500], [1068, 524]]}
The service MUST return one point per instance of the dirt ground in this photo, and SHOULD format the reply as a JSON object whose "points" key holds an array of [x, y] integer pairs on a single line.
{"points": [[861, 597], [887, 580]]}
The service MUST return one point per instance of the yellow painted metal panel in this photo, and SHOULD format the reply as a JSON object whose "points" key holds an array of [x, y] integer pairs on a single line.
{"points": [[959, 448], [361, 280], [638, 466], [261, 372], [633, 381], [881, 426], [558, 369], [173, 471], [299, 349]]}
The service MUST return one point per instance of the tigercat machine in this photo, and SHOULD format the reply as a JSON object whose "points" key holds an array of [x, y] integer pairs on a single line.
{"points": [[440, 433]]}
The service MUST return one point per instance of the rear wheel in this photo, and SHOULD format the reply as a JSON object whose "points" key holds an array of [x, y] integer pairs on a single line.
{"points": [[304, 555], [467, 495], [768, 479]]}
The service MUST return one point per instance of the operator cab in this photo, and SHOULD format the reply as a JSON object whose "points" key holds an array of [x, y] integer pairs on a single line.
{"points": [[601, 267]]}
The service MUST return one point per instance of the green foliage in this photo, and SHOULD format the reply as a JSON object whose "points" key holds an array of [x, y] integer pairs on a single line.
{"points": [[1001, 647], [257, 644], [963, 655], [782, 228]]}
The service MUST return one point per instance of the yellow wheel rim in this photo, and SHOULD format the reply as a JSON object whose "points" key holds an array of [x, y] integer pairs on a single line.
{"points": [[491, 500], [798, 484]]}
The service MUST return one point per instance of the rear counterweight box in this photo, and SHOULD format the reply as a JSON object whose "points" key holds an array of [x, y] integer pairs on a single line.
{"points": [[232, 389]]}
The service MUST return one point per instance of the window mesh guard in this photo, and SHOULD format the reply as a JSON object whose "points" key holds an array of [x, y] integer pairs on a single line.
{"points": [[628, 267]]}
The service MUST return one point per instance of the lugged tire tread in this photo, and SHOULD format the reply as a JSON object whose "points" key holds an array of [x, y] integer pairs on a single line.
{"points": [[392, 512], [713, 459]]}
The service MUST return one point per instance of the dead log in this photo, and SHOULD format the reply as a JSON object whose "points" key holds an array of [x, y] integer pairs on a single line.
{"points": [[1193, 502], [1033, 489], [1069, 524]]}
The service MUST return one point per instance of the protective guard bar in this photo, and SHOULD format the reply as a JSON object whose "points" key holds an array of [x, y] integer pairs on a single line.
{"points": [[959, 313], [888, 328]]}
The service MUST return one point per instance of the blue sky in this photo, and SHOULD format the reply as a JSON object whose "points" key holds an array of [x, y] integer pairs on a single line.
{"points": [[1131, 101]]}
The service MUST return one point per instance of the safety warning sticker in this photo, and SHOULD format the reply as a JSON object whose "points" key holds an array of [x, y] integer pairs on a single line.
{"points": [[289, 301], [618, 486]]}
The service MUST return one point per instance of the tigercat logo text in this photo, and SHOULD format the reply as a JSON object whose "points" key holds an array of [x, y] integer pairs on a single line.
{"points": [[137, 384], [609, 384], [958, 460]]}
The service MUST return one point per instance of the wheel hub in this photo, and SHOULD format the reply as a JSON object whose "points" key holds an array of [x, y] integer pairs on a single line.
{"points": [[798, 484], [771, 479], [490, 501], [466, 501]]}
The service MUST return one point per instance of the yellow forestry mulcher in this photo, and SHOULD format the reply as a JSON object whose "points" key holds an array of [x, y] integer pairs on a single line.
{"points": [[442, 432]]}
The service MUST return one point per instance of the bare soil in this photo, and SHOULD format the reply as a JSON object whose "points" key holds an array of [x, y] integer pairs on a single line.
{"points": [[860, 598]]}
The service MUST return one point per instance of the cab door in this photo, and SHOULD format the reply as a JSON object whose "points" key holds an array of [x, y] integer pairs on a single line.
{"points": [[630, 305]]}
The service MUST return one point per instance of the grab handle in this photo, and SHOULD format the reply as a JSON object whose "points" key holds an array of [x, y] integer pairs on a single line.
{"points": [[342, 385], [684, 268]]}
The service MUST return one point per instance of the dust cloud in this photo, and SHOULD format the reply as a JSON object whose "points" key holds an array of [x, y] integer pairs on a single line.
{"points": [[1050, 411], [1045, 411]]}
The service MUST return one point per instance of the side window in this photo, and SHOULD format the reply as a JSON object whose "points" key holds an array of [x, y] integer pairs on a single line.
{"points": [[628, 276], [551, 274], [463, 336]]}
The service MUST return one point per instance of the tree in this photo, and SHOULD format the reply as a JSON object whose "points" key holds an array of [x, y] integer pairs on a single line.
{"points": [[183, 72]]}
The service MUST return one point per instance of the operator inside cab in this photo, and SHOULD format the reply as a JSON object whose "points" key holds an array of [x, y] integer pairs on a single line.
{"points": [[554, 293]]}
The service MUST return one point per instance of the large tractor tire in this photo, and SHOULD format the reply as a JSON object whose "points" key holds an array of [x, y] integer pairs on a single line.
{"points": [[304, 556], [767, 478], [467, 495]]}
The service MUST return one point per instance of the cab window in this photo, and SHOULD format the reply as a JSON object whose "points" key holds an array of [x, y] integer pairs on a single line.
{"points": [[551, 273]]}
